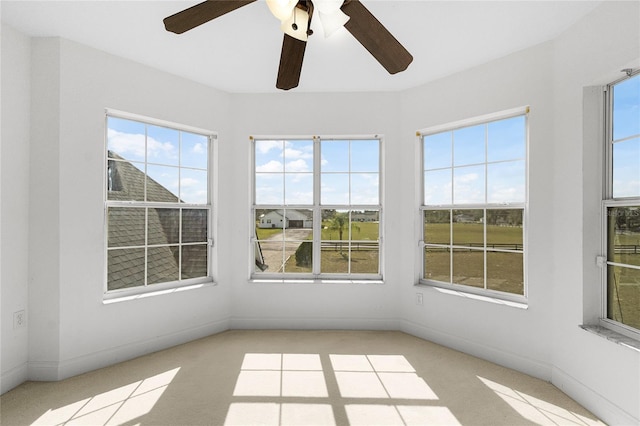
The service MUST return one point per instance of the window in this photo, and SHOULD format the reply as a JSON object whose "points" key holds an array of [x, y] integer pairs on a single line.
{"points": [[317, 208], [473, 210], [622, 204], [157, 207]]}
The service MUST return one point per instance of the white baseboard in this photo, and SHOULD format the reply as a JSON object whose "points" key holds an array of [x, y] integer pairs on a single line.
{"points": [[13, 377], [52, 371], [504, 358], [594, 402], [306, 323]]}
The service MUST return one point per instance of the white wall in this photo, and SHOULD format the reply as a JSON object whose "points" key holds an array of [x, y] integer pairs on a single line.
{"points": [[14, 178], [74, 330], [71, 330], [368, 306], [598, 373], [511, 336]]}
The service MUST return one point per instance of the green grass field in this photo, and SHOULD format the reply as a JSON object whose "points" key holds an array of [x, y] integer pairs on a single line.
{"points": [[504, 270], [335, 262], [362, 231]]}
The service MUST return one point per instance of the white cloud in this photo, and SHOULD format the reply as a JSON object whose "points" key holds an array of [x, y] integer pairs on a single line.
{"points": [[189, 182], [132, 146], [264, 147], [297, 166], [198, 148], [272, 166]]}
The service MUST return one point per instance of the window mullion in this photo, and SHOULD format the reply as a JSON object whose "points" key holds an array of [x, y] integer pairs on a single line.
{"points": [[317, 211]]}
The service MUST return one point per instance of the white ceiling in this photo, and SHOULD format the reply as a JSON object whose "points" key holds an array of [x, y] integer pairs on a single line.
{"points": [[239, 52]]}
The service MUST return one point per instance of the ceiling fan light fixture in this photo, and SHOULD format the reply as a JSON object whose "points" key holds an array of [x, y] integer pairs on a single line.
{"points": [[327, 6], [297, 24], [282, 9], [332, 22]]}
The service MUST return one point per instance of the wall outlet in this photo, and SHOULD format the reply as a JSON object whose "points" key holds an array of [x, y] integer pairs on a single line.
{"points": [[19, 319], [419, 299]]}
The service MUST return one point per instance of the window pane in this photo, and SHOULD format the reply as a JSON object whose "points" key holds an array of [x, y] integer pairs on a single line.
{"points": [[302, 260], [437, 187], [162, 145], [437, 151], [162, 184], [504, 229], [437, 227], [505, 182], [272, 254], [298, 224], [335, 188], [335, 257], [298, 188], [335, 225], [365, 156], [162, 264], [624, 235], [125, 268], [437, 264], [126, 226], [469, 145], [269, 188], [335, 156], [626, 168], [270, 223], [506, 139], [365, 225], [298, 156], [364, 257], [269, 156], [468, 185], [126, 139], [364, 188], [125, 181], [193, 186], [626, 108], [623, 295], [468, 228], [195, 225], [194, 150], [468, 267], [194, 261], [505, 272], [163, 226]]}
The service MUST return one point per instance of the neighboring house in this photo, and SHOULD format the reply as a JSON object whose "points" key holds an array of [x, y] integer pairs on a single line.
{"points": [[466, 218], [366, 216], [285, 219], [126, 266]]}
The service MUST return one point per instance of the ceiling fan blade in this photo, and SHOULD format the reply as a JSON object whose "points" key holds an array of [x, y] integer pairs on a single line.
{"points": [[201, 13], [376, 38], [290, 62]]}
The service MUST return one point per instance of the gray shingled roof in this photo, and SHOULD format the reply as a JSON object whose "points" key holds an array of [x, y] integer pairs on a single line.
{"points": [[127, 228]]}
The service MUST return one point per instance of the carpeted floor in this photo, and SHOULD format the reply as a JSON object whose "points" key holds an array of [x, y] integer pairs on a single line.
{"points": [[297, 377]]}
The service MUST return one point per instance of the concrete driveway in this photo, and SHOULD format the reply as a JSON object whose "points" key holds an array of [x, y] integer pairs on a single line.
{"points": [[272, 247]]}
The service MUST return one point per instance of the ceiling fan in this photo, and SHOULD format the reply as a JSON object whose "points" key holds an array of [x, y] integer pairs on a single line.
{"points": [[295, 16]]}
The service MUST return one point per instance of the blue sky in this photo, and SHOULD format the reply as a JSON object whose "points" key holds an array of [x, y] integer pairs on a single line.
{"points": [[349, 172], [175, 159], [476, 164], [626, 137]]}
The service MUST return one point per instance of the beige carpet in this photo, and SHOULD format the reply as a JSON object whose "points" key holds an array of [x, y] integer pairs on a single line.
{"points": [[297, 377]]}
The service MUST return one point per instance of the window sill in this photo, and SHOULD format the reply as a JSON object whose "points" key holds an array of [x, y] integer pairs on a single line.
{"points": [[313, 281], [613, 336], [473, 296], [115, 298]]}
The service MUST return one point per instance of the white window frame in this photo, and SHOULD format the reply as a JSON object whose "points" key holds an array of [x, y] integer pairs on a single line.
{"points": [[316, 208], [482, 292], [609, 201], [146, 288]]}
